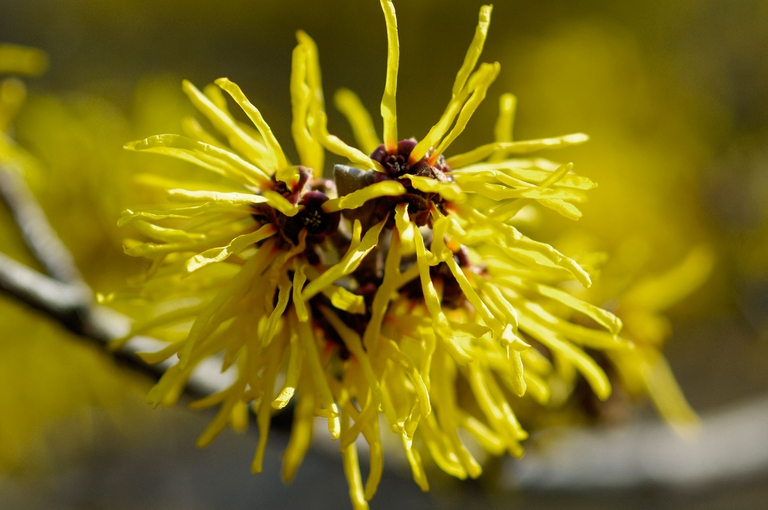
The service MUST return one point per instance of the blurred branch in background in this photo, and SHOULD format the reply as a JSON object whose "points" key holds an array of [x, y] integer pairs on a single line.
{"points": [[732, 443], [65, 296]]}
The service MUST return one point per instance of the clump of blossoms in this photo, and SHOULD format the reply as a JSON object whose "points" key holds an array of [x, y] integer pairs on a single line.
{"points": [[372, 298]]}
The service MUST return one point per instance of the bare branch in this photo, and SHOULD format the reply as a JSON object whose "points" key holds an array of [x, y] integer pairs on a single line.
{"points": [[34, 227], [55, 298]]}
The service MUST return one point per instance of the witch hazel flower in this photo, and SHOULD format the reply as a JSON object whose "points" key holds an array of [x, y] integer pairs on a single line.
{"points": [[396, 298], [461, 296]]}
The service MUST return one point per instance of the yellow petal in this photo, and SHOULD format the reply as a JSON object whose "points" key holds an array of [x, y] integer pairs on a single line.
{"points": [[475, 49], [388, 103], [448, 190], [310, 151], [237, 245], [349, 104], [482, 152], [359, 197], [258, 120], [347, 264]]}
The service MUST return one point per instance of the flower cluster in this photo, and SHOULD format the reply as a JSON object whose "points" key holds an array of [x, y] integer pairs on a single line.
{"points": [[377, 293]]}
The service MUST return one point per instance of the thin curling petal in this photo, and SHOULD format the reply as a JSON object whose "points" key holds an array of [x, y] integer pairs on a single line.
{"points": [[300, 438], [183, 195], [129, 216], [506, 120], [352, 471], [661, 292], [521, 147], [436, 133], [383, 293], [258, 120], [335, 145], [362, 196], [322, 390], [484, 77], [353, 342], [264, 414], [207, 156], [237, 245], [668, 397], [475, 49], [447, 190], [514, 238], [302, 98], [594, 375], [314, 77], [349, 104], [388, 103], [348, 263], [292, 376], [241, 141]]}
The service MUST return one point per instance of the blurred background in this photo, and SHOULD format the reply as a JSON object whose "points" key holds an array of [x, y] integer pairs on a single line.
{"points": [[672, 93]]}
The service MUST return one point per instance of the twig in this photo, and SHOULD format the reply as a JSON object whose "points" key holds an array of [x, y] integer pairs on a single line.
{"points": [[37, 232], [63, 301], [66, 297]]}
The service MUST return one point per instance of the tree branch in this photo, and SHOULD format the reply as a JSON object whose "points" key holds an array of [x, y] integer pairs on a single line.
{"points": [[38, 235]]}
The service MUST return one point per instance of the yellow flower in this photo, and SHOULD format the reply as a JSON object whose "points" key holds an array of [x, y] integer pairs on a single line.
{"points": [[230, 264], [461, 296], [645, 370], [384, 292]]}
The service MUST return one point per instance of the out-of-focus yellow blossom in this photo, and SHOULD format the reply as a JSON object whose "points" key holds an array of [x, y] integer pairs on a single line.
{"points": [[644, 370], [15, 61]]}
